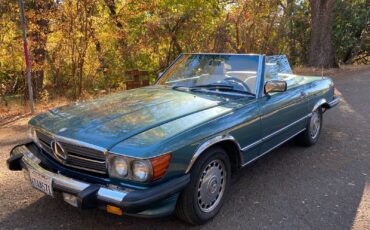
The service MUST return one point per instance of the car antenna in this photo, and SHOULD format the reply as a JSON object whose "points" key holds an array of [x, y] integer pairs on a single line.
{"points": [[322, 71]]}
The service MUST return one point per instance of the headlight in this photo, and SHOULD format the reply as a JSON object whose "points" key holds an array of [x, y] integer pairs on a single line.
{"points": [[120, 166], [141, 170]]}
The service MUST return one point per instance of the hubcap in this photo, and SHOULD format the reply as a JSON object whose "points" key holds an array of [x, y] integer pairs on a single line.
{"points": [[315, 125], [211, 186]]}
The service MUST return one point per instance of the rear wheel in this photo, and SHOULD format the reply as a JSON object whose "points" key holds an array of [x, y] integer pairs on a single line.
{"points": [[204, 196], [311, 134]]}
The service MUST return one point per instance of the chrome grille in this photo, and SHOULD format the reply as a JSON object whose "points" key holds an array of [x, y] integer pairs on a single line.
{"points": [[79, 157]]}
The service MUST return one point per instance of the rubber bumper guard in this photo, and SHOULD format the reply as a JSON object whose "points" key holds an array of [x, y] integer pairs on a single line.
{"points": [[92, 195]]}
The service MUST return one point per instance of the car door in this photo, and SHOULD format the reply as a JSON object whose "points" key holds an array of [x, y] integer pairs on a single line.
{"points": [[283, 114], [248, 133]]}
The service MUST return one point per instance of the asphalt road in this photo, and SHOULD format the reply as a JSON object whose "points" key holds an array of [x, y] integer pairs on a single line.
{"points": [[326, 186]]}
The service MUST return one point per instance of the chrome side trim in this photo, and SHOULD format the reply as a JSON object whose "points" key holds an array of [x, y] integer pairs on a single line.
{"points": [[252, 145], [220, 138], [254, 159], [319, 103], [275, 133], [209, 143], [286, 127], [64, 183]]}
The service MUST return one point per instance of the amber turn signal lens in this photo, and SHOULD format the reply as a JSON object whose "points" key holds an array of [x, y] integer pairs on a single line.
{"points": [[114, 210], [160, 165]]}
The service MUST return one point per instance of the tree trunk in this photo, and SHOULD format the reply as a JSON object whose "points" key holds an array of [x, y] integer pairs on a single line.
{"points": [[322, 52], [39, 29]]}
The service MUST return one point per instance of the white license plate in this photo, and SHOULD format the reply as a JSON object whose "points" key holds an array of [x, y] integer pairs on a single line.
{"points": [[41, 182]]}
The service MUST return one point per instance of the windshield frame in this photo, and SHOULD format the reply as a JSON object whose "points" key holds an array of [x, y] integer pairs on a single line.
{"points": [[260, 71]]}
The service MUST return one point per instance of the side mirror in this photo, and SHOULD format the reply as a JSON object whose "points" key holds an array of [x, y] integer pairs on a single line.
{"points": [[275, 86]]}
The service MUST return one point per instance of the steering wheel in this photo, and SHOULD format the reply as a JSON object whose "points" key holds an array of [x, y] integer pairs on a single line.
{"points": [[239, 82]]}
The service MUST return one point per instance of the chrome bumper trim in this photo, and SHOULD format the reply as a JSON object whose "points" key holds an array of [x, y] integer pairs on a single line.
{"points": [[60, 182], [334, 102]]}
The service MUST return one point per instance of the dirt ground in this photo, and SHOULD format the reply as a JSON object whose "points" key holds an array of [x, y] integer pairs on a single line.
{"points": [[326, 186]]}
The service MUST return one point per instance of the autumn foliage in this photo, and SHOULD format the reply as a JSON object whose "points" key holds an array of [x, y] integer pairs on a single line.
{"points": [[84, 47]]}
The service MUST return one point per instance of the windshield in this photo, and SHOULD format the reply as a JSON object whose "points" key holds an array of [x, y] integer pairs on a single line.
{"points": [[213, 72]]}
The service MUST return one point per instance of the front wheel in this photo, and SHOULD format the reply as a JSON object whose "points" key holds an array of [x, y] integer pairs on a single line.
{"points": [[210, 178], [311, 134]]}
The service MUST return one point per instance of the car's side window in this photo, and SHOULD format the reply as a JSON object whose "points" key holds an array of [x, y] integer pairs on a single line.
{"points": [[278, 68]]}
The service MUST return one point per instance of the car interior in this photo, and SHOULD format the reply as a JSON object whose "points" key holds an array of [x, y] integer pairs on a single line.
{"points": [[217, 71]]}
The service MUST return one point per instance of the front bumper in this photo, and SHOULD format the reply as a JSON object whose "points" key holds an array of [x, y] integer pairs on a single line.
{"points": [[95, 195], [334, 102]]}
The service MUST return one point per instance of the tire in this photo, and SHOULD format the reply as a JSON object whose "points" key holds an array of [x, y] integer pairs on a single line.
{"points": [[313, 129], [202, 199]]}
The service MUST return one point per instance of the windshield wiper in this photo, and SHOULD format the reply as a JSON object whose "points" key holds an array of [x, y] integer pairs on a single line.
{"points": [[213, 86], [180, 87], [220, 88]]}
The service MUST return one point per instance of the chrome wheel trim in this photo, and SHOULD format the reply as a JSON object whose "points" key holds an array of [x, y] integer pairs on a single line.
{"points": [[211, 186], [315, 124]]}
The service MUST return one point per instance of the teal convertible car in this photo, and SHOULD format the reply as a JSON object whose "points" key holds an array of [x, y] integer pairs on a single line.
{"points": [[173, 146]]}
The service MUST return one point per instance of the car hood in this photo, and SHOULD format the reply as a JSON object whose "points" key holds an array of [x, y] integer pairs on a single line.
{"points": [[109, 120]]}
